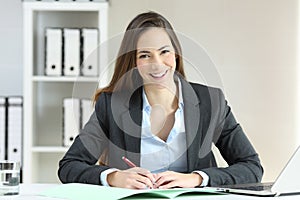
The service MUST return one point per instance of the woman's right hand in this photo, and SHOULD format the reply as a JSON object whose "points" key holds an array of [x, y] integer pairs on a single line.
{"points": [[133, 178]]}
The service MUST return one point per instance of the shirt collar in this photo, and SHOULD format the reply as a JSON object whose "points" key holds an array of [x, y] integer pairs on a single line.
{"points": [[147, 107]]}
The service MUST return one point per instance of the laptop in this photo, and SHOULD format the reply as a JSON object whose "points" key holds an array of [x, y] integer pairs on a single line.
{"points": [[287, 183]]}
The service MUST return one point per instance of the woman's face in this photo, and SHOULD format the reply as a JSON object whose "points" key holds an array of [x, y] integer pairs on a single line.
{"points": [[156, 59]]}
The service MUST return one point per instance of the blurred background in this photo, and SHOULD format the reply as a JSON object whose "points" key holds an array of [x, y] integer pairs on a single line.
{"points": [[254, 45]]}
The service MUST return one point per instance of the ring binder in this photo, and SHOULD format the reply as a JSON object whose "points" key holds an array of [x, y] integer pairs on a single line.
{"points": [[86, 111], [70, 120], [89, 51], [53, 52], [71, 52], [15, 128], [2, 127]]}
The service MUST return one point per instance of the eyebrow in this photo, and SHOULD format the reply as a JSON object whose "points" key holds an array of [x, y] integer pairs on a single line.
{"points": [[161, 48]]}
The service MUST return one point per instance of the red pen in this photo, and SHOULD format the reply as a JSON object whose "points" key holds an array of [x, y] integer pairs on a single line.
{"points": [[128, 162]]}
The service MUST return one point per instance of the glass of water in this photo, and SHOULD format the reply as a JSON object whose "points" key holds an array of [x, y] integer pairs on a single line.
{"points": [[9, 177]]}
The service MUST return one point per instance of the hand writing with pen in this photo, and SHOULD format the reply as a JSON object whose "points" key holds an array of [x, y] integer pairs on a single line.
{"points": [[140, 178]]}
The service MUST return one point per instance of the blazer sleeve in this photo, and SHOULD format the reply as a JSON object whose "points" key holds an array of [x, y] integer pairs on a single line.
{"points": [[236, 149], [79, 163]]}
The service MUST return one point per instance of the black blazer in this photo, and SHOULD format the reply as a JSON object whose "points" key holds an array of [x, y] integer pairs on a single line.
{"points": [[115, 126]]}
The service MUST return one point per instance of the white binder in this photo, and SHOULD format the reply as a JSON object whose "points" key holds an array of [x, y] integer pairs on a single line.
{"points": [[86, 111], [71, 120], [15, 128], [90, 51], [2, 128], [71, 52], [53, 52]]}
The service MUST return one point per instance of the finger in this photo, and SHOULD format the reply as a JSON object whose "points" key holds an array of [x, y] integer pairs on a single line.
{"points": [[138, 170], [145, 180], [150, 177], [133, 181], [154, 181], [138, 185], [159, 175], [144, 172], [164, 179], [171, 184]]}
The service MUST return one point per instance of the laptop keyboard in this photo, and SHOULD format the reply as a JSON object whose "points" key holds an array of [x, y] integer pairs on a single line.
{"points": [[251, 186], [256, 187]]}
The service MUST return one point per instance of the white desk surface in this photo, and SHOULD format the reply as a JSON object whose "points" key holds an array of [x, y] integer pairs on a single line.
{"points": [[30, 191]]}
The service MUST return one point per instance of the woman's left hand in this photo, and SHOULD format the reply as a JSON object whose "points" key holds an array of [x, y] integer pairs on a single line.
{"points": [[170, 179]]}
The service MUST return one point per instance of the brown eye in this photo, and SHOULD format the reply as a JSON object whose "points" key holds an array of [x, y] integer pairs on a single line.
{"points": [[144, 56], [165, 51]]}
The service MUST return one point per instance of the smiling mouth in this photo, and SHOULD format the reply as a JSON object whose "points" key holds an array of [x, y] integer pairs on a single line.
{"points": [[159, 75]]}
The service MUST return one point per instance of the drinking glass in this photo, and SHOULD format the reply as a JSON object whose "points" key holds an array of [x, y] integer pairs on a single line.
{"points": [[9, 177]]}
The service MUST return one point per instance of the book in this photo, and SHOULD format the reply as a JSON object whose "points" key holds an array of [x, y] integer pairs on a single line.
{"points": [[78, 191]]}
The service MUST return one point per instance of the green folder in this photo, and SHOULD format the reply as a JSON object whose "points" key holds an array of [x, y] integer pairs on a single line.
{"points": [[77, 191]]}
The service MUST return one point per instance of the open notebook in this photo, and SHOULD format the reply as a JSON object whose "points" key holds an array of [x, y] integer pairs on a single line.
{"points": [[79, 191]]}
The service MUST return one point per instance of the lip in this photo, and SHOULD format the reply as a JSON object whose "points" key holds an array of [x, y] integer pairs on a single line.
{"points": [[159, 75]]}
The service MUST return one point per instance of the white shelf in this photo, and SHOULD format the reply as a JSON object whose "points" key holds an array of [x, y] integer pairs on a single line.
{"points": [[49, 149], [43, 95], [64, 79]]}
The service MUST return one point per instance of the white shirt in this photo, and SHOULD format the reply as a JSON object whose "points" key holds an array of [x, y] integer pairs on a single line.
{"points": [[158, 155]]}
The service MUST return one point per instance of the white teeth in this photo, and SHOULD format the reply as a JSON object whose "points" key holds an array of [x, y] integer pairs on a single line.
{"points": [[159, 75]]}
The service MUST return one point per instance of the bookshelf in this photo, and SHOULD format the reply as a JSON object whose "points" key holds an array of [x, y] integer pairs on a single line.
{"points": [[43, 95]]}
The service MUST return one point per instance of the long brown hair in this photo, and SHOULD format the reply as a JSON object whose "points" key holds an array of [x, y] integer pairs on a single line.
{"points": [[126, 59]]}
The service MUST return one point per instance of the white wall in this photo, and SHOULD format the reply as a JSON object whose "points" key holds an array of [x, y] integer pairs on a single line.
{"points": [[254, 46], [11, 70]]}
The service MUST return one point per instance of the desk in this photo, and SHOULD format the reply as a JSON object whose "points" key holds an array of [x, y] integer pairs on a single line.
{"points": [[30, 191]]}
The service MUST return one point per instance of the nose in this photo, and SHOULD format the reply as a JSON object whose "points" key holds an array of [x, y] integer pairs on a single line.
{"points": [[156, 62], [157, 59]]}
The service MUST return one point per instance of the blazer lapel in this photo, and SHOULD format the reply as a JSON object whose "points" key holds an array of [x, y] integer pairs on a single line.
{"points": [[192, 123], [132, 122]]}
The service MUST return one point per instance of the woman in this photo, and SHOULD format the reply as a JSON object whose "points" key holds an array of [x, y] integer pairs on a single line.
{"points": [[163, 124]]}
